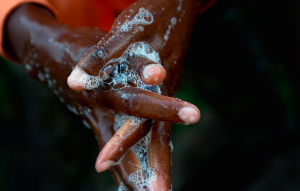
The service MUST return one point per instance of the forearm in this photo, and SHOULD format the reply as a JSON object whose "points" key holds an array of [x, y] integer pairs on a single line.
{"points": [[23, 24]]}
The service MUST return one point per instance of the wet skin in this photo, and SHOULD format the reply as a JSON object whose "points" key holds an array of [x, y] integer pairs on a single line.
{"points": [[50, 50]]}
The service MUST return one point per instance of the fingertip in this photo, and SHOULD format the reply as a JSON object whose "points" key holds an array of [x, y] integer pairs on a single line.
{"points": [[103, 166], [156, 185], [154, 74], [189, 114], [74, 80]]}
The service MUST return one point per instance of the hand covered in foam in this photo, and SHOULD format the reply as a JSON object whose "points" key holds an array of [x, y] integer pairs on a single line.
{"points": [[49, 51], [148, 33]]}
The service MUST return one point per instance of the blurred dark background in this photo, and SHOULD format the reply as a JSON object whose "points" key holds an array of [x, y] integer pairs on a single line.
{"points": [[242, 71]]}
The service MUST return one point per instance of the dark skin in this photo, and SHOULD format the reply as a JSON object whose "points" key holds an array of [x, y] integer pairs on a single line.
{"points": [[49, 50]]}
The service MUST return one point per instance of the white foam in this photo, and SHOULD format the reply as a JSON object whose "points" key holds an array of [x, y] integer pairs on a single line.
{"points": [[143, 17], [122, 187], [119, 120], [89, 82], [144, 176], [143, 179], [143, 49], [137, 121], [135, 50], [100, 54]]}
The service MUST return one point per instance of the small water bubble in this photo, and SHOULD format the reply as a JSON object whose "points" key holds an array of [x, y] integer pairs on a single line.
{"points": [[86, 124], [132, 81], [123, 67], [141, 28], [126, 27], [41, 77], [47, 70], [173, 20], [50, 83], [62, 100], [56, 92], [28, 67], [166, 37]]}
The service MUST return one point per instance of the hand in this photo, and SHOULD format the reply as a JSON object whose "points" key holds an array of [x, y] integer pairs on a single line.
{"points": [[50, 56], [138, 38]]}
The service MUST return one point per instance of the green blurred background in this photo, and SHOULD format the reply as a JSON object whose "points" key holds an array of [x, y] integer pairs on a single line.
{"points": [[242, 71]]}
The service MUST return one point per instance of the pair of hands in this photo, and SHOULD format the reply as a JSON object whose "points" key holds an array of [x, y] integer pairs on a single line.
{"points": [[122, 71]]}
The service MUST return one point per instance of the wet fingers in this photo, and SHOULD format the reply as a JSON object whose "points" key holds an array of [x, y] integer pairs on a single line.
{"points": [[149, 71], [97, 65], [129, 134], [160, 156], [146, 104]]}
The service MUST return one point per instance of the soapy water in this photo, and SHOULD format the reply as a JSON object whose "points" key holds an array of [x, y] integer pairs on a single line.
{"points": [[119, 73], [116, 73], [180, 5], [173, 23], [122, 187], [145, 175], [143, 17]]}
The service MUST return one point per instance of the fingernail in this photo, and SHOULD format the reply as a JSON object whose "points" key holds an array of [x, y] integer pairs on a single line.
{"points": [[104, 165], [189, 115], [153, 73], [73, 79]]}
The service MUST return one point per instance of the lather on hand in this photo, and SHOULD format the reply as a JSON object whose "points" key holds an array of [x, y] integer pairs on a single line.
{"points": [[49, 50]]}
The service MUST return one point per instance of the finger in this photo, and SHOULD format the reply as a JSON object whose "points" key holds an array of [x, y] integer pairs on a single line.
{"points": [[115, 176], [74, 81], [153, 74], [90, 76], [149, 71], [145, 104], [101, 125], [123, 33], [86, 74], [104, 132], [118, 45], [160, 156], [128, 165], [129, 134]]}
